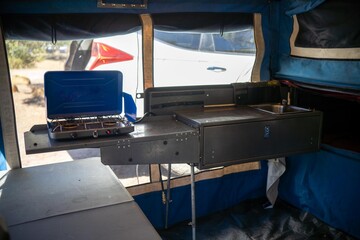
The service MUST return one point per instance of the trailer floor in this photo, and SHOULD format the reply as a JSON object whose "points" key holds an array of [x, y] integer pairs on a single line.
{"points": [[249, 220]]}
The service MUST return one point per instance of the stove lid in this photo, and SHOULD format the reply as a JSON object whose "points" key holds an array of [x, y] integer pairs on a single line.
{"points": [[70, 94]]}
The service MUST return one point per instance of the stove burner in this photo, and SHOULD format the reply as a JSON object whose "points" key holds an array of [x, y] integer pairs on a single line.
{"points": [[89, 127], [69, 126], [92, 125], [108, 124]]}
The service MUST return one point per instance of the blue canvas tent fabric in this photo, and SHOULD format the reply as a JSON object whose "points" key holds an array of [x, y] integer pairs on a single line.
{"points": [[47, 27], [210, 196], [294, 7], [325, 184], [329, 73], [276, 23], [343, 74], [154, 6]]}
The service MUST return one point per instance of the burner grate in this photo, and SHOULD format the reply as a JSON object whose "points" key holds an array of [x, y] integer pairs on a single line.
{"points": [[89, 126], [86, 123]]}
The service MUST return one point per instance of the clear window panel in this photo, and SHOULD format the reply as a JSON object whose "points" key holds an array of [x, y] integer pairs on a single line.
{"points": [[188, 58], [179, 170], [240, 42], [187, 41], [131, 175], [29, 60]]}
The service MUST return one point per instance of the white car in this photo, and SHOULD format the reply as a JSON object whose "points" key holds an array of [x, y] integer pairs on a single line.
{"points": [[180, 59]]}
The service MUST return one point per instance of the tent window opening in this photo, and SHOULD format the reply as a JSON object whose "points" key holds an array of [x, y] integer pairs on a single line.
{"points": [[201, 49], [29, 60], [194, 58]]}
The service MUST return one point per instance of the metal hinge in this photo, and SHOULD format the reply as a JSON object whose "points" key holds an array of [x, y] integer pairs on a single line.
{"points": [[142, 4]]}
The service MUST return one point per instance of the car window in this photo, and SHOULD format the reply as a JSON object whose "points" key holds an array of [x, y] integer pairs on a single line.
{"points": [[230, 42], [222, 44], [237, 42], [184, 40], [79, 55], [234, 42]]}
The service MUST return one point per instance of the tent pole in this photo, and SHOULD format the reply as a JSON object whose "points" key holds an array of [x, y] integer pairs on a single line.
{"points": [[168, 196]]}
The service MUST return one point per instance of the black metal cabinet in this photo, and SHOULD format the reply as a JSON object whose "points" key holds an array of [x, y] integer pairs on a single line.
{"points": [[244, 134], [244, 142], [226, 144]]}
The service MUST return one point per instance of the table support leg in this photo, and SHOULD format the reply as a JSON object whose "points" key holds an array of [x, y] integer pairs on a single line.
{"points": [[193, 208], [168, 196]]}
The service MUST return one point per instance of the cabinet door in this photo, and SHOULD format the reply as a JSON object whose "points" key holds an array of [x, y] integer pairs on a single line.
{"points": [[245, 142], [300, 134], [229, 144]]}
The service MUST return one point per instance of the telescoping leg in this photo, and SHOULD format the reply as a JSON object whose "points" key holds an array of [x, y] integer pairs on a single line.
{"points": [[193, 207], [168, 196]]}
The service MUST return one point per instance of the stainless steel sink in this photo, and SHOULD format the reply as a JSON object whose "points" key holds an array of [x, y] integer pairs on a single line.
{"points": [[279, 108]]}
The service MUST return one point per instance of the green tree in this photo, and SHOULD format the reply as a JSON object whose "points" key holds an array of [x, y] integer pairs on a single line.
{"points": [[24, 54]]}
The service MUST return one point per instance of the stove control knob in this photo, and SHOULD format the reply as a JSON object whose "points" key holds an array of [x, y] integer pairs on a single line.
{"points": [[73, 135], [95, 134]]}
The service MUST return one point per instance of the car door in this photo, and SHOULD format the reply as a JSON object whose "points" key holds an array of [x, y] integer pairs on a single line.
{"points": [[225, 60], [177, 59]]}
